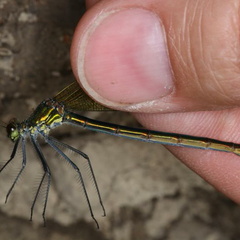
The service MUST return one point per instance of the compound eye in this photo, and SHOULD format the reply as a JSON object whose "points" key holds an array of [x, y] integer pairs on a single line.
{"points": [[12, 131], [10, 128]]}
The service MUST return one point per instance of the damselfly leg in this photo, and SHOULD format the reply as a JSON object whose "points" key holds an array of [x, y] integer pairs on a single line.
{"points": [[24, 161], [12, 155], [85, 156], [47, 173], [54, 144], [23, 164]]}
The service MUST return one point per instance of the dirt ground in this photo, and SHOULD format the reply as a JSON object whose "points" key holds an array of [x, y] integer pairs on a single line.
{"points": [[147, 193]]}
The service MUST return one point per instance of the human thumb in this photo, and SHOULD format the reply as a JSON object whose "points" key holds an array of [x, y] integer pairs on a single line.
{"points": [[167, 56]]}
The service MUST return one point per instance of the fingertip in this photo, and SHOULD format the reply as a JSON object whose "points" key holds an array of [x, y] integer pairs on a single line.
{"points": [[144, 57], [127, 66], [130, 65]]}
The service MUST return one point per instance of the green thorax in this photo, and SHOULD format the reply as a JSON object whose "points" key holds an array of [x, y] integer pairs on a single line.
{"points": [[47, 115]]}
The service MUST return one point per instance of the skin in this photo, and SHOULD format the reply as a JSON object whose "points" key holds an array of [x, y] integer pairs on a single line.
{"points": [[202, 39]]}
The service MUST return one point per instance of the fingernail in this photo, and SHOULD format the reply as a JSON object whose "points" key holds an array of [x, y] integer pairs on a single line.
{"points": [[126, 58]]}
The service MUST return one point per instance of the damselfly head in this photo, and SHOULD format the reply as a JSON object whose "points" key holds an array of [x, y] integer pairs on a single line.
{"points": [[12, 130]]}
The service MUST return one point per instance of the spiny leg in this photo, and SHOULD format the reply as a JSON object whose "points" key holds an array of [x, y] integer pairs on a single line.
{"points": [[22, 168], [47, 173], [36, 196], [12, 155], [50, 142], [85, 156]]}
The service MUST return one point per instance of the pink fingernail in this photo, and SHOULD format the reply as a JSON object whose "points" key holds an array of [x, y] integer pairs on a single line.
{"points": [[126, 58]]}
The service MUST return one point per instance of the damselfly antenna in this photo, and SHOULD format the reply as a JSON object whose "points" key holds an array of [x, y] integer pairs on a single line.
{"points": [[3, 124]]}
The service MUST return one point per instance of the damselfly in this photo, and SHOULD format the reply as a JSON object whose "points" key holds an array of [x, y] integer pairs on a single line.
{"points": [[62, 109]]}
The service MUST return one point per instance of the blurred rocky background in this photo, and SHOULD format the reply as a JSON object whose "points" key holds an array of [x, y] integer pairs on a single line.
{"points": [[147, 193]]}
